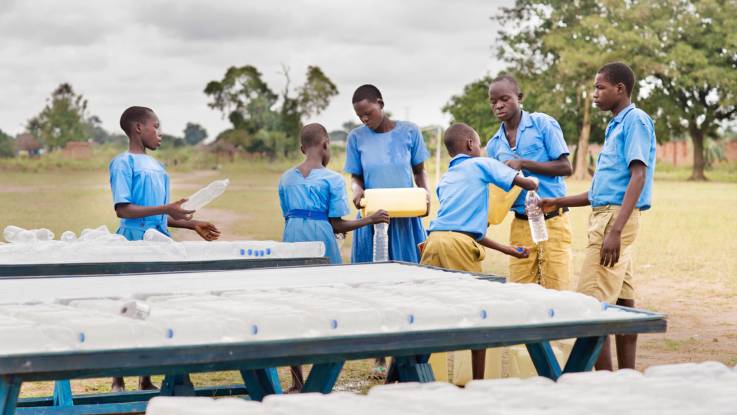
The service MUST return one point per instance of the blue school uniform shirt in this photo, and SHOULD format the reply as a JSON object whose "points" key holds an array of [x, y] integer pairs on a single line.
{"points": [[141, 180], [464, 193], [629, 136], [539, 138], [322, 192], [385, 160]]}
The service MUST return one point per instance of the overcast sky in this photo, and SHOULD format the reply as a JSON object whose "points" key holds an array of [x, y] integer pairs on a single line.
{"points": [[162, 53]]}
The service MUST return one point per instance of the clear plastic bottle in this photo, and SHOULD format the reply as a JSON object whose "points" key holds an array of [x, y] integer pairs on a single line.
{"points": [[206, 195], [535, 217], [381, 242]]}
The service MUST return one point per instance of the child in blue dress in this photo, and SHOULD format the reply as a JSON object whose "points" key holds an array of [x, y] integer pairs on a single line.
{"points": [[313, 200], [140, 187]]}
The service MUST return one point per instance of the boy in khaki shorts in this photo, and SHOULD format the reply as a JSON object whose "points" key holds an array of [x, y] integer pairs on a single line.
{"points": [[621, 189]]}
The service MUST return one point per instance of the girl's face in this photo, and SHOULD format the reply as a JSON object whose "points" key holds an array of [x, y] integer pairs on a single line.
{"points": [[504, 100], [370, 113], [149, 131]]}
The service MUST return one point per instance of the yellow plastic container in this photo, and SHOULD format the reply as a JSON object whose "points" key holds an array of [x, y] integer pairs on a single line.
{"points": [[500, 202], [408, 202]]}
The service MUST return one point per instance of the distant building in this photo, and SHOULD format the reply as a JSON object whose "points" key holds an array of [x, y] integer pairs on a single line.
{"points": [[77, 150], [27, 145]]}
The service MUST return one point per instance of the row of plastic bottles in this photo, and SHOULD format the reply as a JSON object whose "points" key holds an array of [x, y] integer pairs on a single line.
{"points": [[705, 388]]}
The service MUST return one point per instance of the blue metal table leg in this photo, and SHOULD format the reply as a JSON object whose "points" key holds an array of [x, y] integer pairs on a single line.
{"points": [[63, 393], [414, 368], [544, 359], [177, 385], [322, 377], [584, 354], [261, 382], [9, 391]]}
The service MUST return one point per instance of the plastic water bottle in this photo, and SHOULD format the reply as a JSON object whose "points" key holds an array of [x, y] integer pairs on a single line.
{"points": [[381, 242], [206, 195], [536, 217]]}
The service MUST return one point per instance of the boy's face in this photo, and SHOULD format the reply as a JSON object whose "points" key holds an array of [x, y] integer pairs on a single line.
{"points": [[504, 100], [370, 113], [606, 94], [149, 132]]}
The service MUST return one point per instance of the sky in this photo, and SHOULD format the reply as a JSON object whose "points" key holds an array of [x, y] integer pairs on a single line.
{"points": [[162, 53]]}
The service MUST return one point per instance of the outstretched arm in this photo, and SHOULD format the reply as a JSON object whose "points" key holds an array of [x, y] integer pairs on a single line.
{"points": [[206, 230], [174, 210], [341, 225], [559, 167], [515, 251]]}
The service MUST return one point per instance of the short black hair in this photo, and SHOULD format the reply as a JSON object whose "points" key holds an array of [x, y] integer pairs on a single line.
{"points": [[312, 135], [507, 78], [368, 92], [133, 115], [456, 135], [617, 72]]}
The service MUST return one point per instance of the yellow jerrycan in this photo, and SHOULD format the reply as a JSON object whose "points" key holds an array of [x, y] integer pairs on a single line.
{"points": [[500, 202], [409, 202]]}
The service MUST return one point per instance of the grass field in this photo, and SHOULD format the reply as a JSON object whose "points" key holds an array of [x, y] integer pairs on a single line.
{"points": [[686, 261]]}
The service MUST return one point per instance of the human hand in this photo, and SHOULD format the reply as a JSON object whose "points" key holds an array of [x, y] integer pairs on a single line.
{"points": [[357, 196], [549, 205], [520, 252], [177, 212], [516, 164], [609, 253], [380, 216], [207, 230]]}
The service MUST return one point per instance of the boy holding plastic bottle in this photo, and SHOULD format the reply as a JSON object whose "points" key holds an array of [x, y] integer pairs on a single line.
{"points": [[140, 187], [620, 190], [313, 201], [458, 235], [533, 143]]}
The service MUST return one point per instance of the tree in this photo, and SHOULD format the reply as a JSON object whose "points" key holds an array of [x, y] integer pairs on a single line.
{"points": [[194, 134], [251, 105], [7, 145], [62, 119]]}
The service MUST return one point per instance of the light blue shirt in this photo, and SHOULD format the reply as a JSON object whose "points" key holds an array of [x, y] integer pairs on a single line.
{"points": [[141, 180], [322, 190], [629, 136], [464, 193], [539, 138], [385, 160]]}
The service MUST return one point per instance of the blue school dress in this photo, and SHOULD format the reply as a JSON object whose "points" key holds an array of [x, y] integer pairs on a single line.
{"points": [[307, 203], [141, 180], [385, 160]]}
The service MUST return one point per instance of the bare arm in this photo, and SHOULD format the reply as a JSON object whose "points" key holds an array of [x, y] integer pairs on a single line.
{"points": [[420, 176], [174, 210], [559, 167], [341, 225], [357, 187], [612, 241], [549, 205], [206, 230], [518, 252]]}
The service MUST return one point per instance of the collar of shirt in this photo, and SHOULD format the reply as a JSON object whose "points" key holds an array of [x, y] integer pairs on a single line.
{"points": [[619, 117], [458, 158], [524, 123]]}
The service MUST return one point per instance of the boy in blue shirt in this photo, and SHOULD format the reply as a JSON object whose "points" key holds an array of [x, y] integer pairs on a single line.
{"points": [[313, 201], [140, 187], [620, 190], [533, 143], [458, 235]]}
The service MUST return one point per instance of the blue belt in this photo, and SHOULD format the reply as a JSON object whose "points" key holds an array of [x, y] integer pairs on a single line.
{"points": [[307, 214]]}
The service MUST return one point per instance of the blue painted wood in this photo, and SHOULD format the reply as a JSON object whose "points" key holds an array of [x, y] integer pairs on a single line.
{"points": [[322, 377], [177, 385], [584, 354], [63, 393], [414, 368], [9, 390], [544, 360], [108, 408], [261, 382]]}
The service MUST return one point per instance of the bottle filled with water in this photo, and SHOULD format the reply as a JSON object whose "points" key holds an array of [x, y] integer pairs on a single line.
{"points": [[536, 217], [381, 242], [206, 195]]}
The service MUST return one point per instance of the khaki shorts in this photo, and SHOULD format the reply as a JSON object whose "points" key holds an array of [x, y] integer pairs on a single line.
{"points": [[552, 269], [453, 250], [609, 283]]}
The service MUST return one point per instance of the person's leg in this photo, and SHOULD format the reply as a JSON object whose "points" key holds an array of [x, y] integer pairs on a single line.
{"points": [[118, 385], [478, 363], [145, 384], [556, 254], [604, 362], [626, 343], [522, 270], [298, 380]]}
